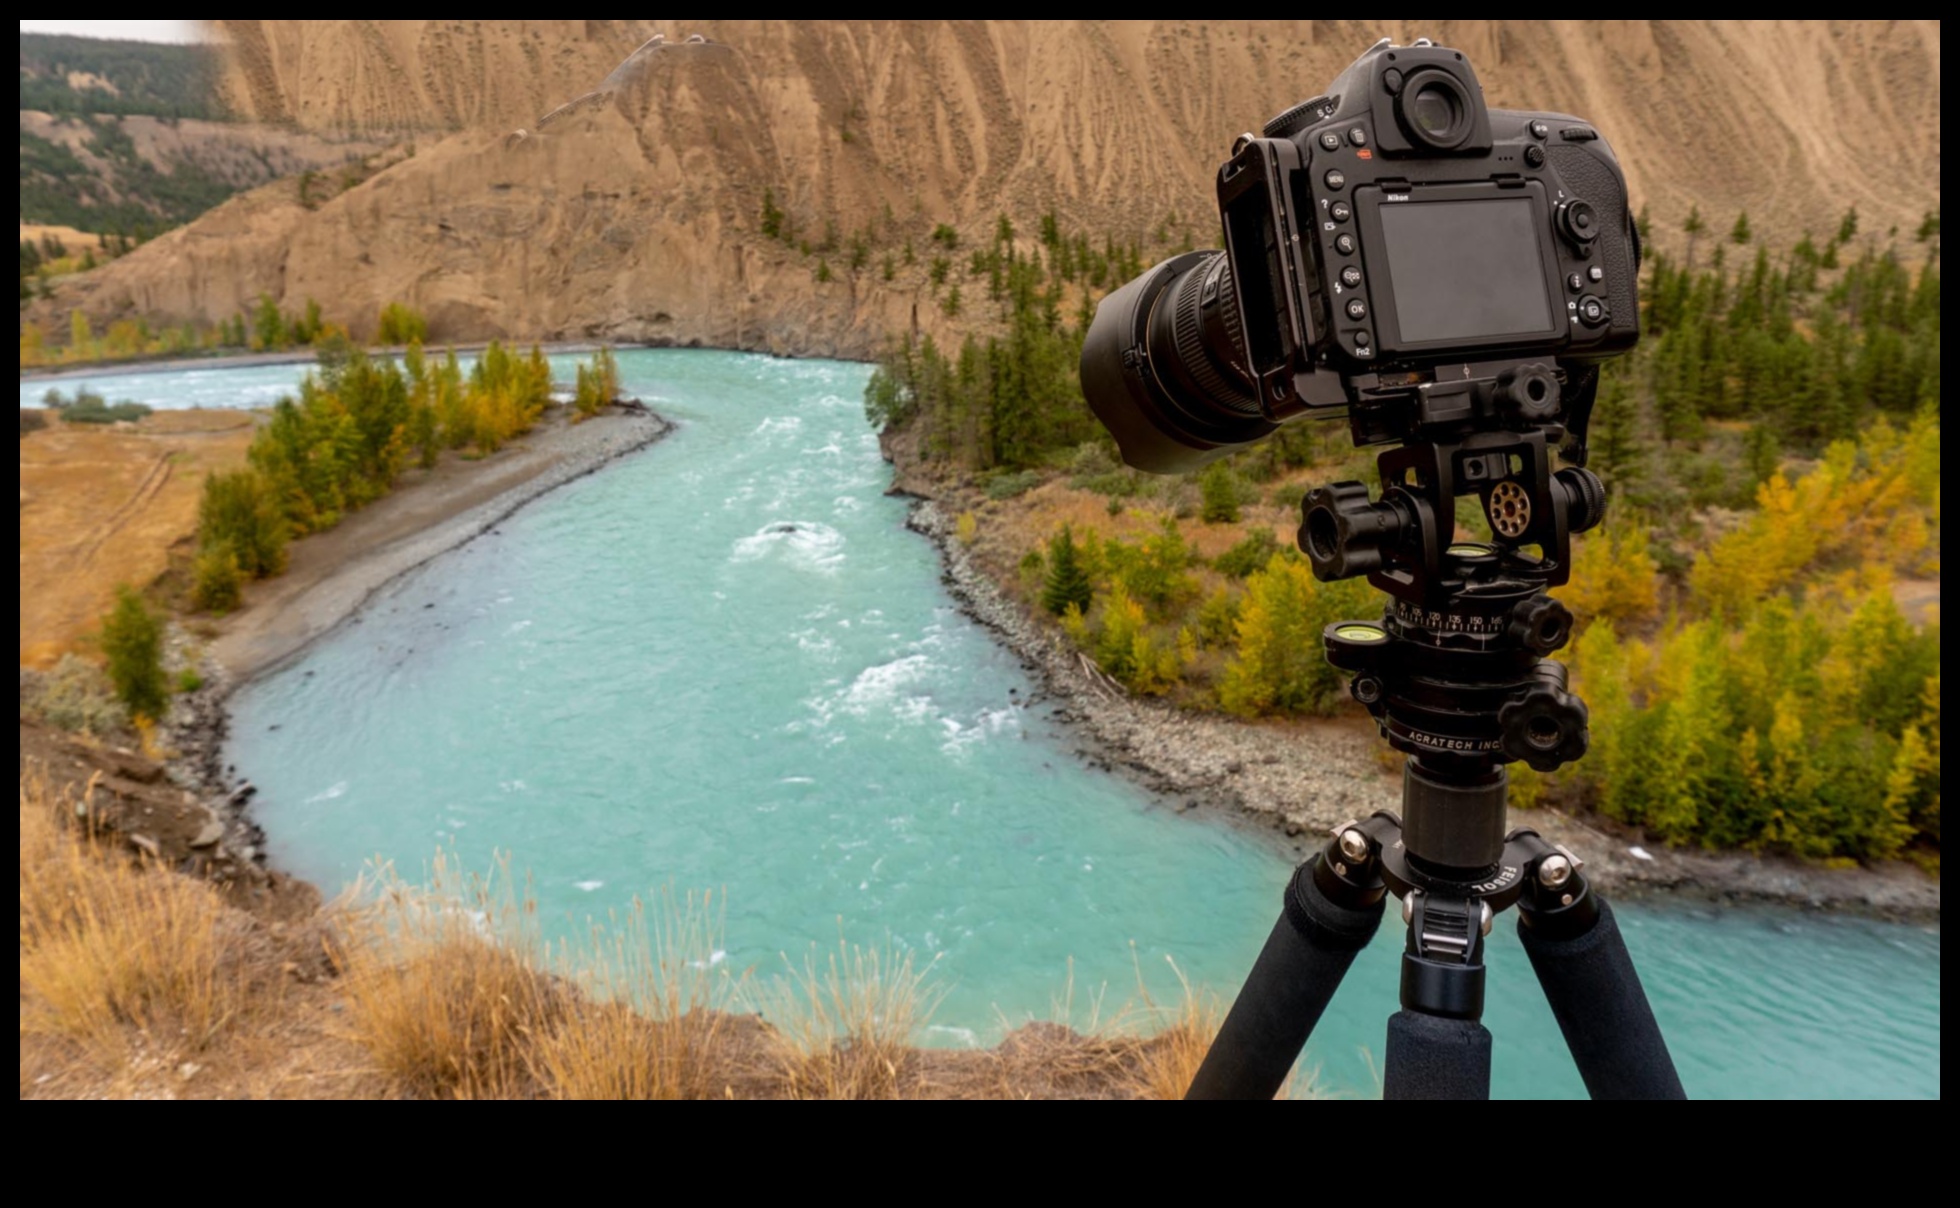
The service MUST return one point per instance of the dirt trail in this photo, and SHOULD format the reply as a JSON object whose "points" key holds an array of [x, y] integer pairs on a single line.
{"points": [[106, 505]]}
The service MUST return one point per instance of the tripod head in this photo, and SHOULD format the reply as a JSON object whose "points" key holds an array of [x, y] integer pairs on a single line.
{"points": [[1455, 673]]}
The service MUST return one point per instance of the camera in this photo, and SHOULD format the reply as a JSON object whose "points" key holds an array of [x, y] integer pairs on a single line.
{"points": [[1393, 248]]}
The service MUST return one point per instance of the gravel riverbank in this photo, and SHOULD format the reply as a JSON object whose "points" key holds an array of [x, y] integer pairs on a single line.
{"points": [[1301, 779]]}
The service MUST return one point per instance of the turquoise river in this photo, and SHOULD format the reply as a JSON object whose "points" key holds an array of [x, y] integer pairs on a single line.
{"points": [[723, 663]]}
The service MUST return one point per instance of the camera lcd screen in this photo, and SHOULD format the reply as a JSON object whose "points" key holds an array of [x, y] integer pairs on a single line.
{"points": [[1466, 270]]}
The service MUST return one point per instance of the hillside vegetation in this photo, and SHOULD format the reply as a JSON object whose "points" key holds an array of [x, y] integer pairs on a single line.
{"points": [[133, 138], [1772, 449]]}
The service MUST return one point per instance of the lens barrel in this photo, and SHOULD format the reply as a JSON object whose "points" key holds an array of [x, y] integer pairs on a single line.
{"points": [[1161, 367]]}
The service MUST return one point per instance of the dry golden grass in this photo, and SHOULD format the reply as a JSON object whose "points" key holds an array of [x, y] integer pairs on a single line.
{"points": [[650, 1022], [844, 1026], [439, 990], [115, 955], [135, 980], [454, 995]]}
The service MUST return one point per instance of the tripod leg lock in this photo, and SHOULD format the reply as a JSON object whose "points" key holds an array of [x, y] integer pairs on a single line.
{"points": [[1556, 901], [1442, 966]]}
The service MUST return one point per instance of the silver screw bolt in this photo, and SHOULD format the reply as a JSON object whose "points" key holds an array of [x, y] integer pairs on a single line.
{"points": [[1554, 871], [1354, 845], [1489, 917], [1409, 906]]}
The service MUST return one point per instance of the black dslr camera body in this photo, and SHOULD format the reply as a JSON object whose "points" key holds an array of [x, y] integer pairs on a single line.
{"points": [[1392, 227], [1449, 275]]}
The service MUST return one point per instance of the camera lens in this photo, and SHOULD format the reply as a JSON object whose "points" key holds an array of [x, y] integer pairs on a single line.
{"points": [[1161, 366], [1435, 110]]}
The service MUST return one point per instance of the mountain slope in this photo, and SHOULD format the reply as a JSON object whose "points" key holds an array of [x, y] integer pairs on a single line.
{"points": [[637, 214]]}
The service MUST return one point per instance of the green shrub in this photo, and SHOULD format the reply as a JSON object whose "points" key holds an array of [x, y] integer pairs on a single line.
{"points": [[132, 639], [88, 407], [1220, 489], [190, 679], [402, 324], [240, 514], [1251, 554], [1007, 486], [598, 384], [75, 696], [215, 579], [32, 421]]}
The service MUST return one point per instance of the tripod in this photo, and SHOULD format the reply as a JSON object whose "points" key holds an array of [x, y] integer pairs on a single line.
{"points": [[1455, 677]]}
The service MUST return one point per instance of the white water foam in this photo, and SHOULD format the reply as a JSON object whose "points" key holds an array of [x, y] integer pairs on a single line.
{"points": [[328, 794], [883, 686], [961, 738], [803, 544]]}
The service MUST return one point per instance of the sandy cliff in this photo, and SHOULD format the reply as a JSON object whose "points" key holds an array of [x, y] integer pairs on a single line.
{"points": [[634, 216]]}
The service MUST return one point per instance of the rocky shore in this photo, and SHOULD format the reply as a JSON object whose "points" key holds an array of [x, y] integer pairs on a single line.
{"points": [[1300, 779]]}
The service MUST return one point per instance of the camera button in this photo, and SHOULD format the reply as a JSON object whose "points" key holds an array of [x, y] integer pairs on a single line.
{"points": [[1576, 282], [1534, 156], [1392, 80], [1330, 141], [1578, 134], [1596, 273], [1335, 178], [1351, 277], [1344, 244], [1363, 346], [1592, 312], [1357, 136], [1357, 309], [1340, 211], [1540, 130]]}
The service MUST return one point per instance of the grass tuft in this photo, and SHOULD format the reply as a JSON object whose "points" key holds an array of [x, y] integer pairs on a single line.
{"points": [[439, 990], [115, 953], [844, 1026]]}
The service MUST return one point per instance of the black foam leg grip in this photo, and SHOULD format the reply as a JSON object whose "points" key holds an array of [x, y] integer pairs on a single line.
{"points": [[1431, 1057], [1298, 971], [1597, 999]]}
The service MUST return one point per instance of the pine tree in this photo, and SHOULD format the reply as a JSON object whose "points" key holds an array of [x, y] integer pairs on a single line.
{"points": [[1068, 581], [1740, 233], [132, 639], [1221, 494], [1693, 226]]}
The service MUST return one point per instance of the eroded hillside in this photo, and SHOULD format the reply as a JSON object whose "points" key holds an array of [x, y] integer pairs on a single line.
{"points": [[635, 214]]}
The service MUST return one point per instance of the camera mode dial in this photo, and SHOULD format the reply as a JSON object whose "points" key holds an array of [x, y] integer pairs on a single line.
{"points": [[1298, 118]]}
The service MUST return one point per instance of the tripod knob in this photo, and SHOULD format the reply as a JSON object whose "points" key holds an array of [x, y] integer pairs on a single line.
{"points": [[1527, 395], [1540, 624], [1584, 498], [1545, 726], [1343, 534]]}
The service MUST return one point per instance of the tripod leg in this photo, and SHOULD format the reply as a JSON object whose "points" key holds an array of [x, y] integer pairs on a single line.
{"points": [[1436, 1057], [1596, 996], [1299, 969]]}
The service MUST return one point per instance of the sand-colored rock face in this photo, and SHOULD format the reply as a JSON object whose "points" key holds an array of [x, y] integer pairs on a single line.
{"points": [[635, 214]]}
